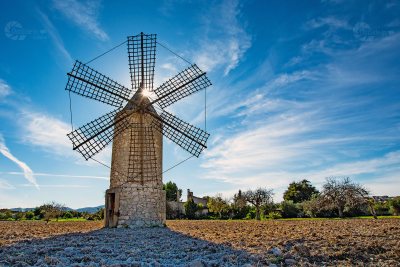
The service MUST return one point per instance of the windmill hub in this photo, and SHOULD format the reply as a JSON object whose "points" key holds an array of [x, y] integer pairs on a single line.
{"points": [[135, 197]]}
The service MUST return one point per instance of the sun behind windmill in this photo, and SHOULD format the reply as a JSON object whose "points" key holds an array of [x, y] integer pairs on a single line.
{"points": [[135, 197]]}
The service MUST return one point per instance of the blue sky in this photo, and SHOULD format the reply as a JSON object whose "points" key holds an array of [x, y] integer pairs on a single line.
{"points": [[300, 90]]}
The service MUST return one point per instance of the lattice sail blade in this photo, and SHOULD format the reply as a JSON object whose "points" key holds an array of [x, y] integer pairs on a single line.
{"points": [[142, 58], [87, 82], [189, 81], [92, 137], [185, 135], [142, 155]]}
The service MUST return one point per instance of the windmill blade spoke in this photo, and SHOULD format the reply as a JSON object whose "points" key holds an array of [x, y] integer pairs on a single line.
{"points": [[187, 136], [92, 137], [88, 82], [189, 81], [142, 59]]}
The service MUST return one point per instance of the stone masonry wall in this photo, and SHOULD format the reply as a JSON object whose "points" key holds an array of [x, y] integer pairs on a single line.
{"points": [[141, 202]]}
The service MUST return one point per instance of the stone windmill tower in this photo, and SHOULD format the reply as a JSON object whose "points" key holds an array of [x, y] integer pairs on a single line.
{"points": [[136, 127]]}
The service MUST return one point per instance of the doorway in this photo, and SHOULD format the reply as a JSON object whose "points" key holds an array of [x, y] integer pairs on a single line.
{"points": [[111, 209]]}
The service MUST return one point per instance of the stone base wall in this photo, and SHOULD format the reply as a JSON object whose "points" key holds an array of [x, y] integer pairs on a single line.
{"points": [[141, 206]]}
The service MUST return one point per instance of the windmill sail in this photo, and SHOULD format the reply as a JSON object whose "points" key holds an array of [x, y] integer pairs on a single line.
{"points": [[187, 136], [92, 137], [187, 82], [142, 59], [87, 82]]}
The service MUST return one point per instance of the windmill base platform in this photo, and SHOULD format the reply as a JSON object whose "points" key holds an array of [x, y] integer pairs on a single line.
{"points": [[135, 206]]}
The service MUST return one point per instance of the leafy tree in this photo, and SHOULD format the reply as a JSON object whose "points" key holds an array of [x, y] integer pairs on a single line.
{"points": [[289, 209], [239, 206], [18, 216], [217, 205], [190, 209], [258, 198], [67, 215], [29, 215], [312, 207], [300, 191], [395, 205], [171, 190], [342, 193]]}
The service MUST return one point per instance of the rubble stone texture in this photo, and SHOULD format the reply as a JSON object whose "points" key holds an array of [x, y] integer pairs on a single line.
{"points": [[136, 178]]}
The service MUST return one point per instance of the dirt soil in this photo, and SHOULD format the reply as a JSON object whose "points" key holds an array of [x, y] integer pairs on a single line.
{"points": [[321, 242], [363, 242]]}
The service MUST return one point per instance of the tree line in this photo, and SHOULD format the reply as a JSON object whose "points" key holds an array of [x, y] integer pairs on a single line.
{"points": [[339, 197], [50, 211]]}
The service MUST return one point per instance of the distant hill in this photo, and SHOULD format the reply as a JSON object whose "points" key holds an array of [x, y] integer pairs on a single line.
{"points": [[90, 209], [86, 209]]}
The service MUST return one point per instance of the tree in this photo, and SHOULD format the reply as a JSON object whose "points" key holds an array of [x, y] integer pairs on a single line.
{"points": [[342, 193], [171, 190], [217, 205], [51, 210], [289, 209], [239, 206], [300, 191], [190, 209], [395, 205], [258, 198]]}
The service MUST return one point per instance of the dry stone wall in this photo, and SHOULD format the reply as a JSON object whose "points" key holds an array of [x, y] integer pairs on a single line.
{"points": [[142, 202]]}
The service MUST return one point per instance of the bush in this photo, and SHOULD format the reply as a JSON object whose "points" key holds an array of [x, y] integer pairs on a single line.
{"points": [[29, 215], [395, 206], [382, 208], [18, 216], [68, 215], [251, 214], [290, 209], [274, 215], [190, 209]]}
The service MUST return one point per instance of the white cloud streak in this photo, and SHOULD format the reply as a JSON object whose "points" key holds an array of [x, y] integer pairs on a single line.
{"points": [[28, 173], [50, 134], [39, 174], [233, 41], [83, 14], [5, 89], [54, 35], [5, 185]]}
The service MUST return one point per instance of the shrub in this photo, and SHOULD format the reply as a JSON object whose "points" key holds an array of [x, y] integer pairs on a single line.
{"points": [[274, 215], [382, 208], [190, 209], [395, 206], [251, 214], [29, 215], [67, 215], [289, 209]]}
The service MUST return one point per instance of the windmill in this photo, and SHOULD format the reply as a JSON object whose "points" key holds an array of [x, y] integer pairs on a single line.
{"points": [[135, 196]]}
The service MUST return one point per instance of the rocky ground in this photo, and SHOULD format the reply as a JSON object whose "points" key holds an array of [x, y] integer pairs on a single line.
{"points": [[203, 243]]}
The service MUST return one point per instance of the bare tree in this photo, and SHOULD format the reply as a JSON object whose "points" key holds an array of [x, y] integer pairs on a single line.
{"points": [[52, 210], [258, 198], [342, 193]]}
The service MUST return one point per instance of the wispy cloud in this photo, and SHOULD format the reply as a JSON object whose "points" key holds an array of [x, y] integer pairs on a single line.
{"points": [[57, 185], [40, 174], [28, 173], [54, 35], [233, 41], [332, 22], [36, 127], [83, 14], [5, 89], [5, 185]]}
